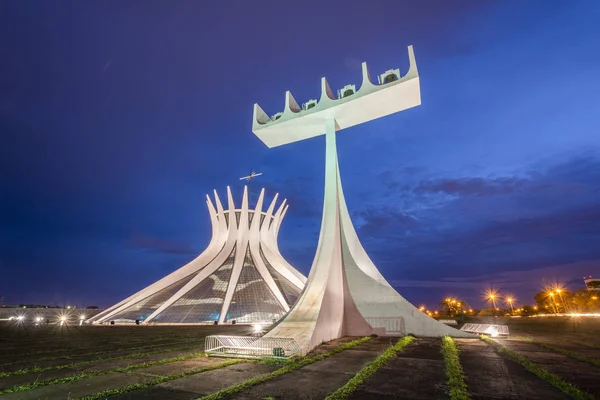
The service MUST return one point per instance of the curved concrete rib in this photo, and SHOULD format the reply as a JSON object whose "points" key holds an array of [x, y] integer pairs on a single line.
{"points": [[291, 105], [327, 95], [367, 84], [259, 116], [227, 235], [215, 244], [254, 245], [413, 72]]}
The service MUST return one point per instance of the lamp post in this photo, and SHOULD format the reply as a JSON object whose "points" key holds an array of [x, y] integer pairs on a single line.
{"points": [[492, 298], [559, 291], [510, 301], [553, 303]]}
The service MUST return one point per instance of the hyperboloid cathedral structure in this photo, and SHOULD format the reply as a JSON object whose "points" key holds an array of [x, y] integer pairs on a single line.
{"points": [[241, 276], [345, 294]]}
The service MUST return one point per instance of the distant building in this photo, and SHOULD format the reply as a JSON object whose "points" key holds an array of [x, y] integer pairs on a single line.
{"points": [[592, 283]]}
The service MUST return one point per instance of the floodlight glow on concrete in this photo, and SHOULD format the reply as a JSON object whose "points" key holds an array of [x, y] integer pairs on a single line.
{"points": [[345, 294]]}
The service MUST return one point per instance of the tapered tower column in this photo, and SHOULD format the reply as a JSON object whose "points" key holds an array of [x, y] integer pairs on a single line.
{"points": [[326, 309], [345, 294]]}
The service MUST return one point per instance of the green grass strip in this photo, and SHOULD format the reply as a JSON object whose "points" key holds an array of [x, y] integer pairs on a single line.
{"points": [[345, 391], [106, 344], [78, 363], [454, 371], [289, 367], [568, 353], [93, 353], [549, 377], [111, 392], [90, 374]]}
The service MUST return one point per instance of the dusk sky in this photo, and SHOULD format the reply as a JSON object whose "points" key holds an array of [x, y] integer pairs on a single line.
{"points": [[118, 117]]}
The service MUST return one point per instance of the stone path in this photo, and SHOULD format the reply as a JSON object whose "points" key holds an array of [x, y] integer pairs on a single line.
{"points": [[415, 373], [491, 376], [418, 372], [317, 380]]}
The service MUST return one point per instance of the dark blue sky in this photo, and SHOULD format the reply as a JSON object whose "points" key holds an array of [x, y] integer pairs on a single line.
{"points": [[117, 117]]}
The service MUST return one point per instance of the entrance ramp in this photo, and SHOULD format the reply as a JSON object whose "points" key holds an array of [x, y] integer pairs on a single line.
{"points": [[250, 347]]}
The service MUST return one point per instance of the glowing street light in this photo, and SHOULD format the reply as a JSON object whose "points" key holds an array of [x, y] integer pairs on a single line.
{"points": [[510, 300], [491, 295]]}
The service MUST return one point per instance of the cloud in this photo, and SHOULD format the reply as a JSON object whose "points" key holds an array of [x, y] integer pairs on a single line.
{"points": [[159, 245], [372, 220], [469, 227], [543, 227], [512, 279], [474, 186]]}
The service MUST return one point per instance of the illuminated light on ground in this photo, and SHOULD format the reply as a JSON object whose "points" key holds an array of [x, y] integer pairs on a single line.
{"points": [[591, 315], [257, 328], [493, 332]]}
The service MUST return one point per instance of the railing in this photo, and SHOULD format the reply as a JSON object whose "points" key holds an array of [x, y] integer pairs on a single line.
{"points": [[448, 321], [486, 329], [393, 326], [250, 347]]}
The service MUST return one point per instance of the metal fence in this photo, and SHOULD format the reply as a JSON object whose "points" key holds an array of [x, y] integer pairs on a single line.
{"points": [[448, 321], [393, 326], [486, 329], [250, 347]]}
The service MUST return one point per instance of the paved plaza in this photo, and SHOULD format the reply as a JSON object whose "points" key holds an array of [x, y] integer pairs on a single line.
{"points": [[167, 362]]}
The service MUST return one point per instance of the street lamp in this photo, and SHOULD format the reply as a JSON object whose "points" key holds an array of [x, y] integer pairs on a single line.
{"points": [[492, 298], [510, 301], [559, 291], [553, 303]]}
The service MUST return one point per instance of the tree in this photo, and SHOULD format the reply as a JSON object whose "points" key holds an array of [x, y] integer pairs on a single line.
{"points": [[91, 308], [585, 301], [453, 307], [555, 301], [529, 310]]}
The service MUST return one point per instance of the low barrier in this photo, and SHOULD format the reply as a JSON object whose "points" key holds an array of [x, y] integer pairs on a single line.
{"points": [[250, 347], [387, 326], [486, 329], [448, 321]]}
